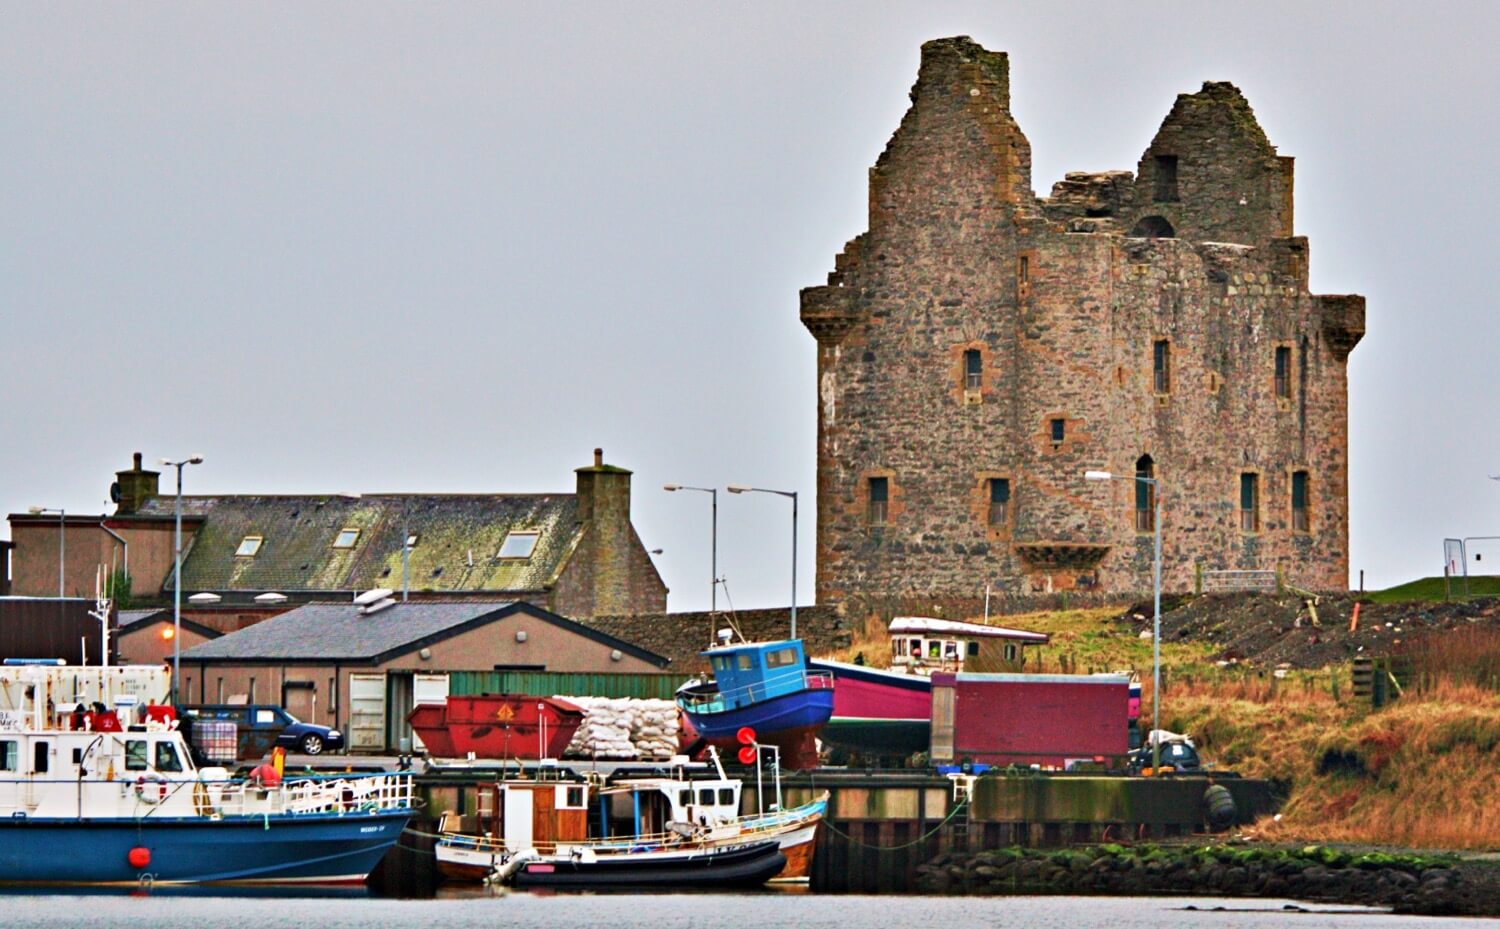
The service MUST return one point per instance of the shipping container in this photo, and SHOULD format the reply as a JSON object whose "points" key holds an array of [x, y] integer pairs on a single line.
{"points": [[1052, 720]]}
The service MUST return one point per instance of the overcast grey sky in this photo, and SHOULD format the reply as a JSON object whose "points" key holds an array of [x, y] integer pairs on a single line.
{"points": [[454, 247]]}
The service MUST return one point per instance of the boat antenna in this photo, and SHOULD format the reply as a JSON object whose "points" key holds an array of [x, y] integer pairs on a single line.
{"points": [[729, 615]]}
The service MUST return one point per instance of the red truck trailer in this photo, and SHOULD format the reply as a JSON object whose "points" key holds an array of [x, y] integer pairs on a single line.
{"points": [[1051, 720]]}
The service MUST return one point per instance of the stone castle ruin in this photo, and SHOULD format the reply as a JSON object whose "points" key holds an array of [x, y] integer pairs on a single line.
{"points": [[980, 348]]}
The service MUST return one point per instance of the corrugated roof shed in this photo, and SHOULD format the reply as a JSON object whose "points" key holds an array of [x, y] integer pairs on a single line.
{"points": [[458, 540]]}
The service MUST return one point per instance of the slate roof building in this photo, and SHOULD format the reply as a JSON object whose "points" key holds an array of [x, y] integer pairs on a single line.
{"points": [[576, 553], [360, 669]]}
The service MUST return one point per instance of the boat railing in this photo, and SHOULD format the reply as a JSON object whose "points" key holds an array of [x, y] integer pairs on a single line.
{"points": [[155, 795], [779, 685]]}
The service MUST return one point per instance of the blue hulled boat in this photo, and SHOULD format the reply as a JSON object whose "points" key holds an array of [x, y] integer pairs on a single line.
{"points": [[767, 687]]}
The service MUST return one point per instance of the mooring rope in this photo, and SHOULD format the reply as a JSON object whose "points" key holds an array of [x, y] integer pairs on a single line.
{"points": [[892, 848]]}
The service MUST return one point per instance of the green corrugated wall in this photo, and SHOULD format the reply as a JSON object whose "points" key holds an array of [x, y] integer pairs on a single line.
{"points": [[552, 683]]}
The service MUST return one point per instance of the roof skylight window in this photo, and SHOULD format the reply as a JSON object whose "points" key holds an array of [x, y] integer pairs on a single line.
{"points": [[249, 546], [346, 538], [518, 545]]}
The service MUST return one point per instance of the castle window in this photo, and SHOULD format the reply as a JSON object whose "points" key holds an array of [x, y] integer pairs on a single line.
{"points": [[346, 538], [973, 369], [1145, 495], [1161, 366], [1023, 269], [1300, 521], [1166, 179], [518, 546], [999, 511], [249, 545], [1283, 372], [880, 489], [1249, 502], [1059, 430]]}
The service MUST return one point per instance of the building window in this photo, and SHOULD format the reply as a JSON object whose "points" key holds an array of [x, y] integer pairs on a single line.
{"points": [[1145, 495], [411, 540], [1300, 522], [1161, 366], [1249, 502], [252, 691], [1166, 179], [249, 546], [973, 369], [999, 512], [518, 545], [1283, 372], [880, 490], [1059, 430], [1023, 270], [346, 538]]}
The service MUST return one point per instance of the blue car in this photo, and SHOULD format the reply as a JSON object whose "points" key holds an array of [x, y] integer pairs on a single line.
{"points": [[263, 727]]}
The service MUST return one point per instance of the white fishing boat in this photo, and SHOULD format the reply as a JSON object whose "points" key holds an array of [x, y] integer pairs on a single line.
{"points": [[99, 786], [660, 828]]}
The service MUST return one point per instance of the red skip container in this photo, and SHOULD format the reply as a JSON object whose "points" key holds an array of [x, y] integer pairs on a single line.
{"points": [[496, 726]]}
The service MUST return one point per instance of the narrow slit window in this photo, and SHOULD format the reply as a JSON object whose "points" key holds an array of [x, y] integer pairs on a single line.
{"points": [[973, 369], [1023, 269], [1249, 502], [1283, 372], [1300, 521], [1161, 366], [880, 489], [249, 546], [518, 545], [999, 514]]}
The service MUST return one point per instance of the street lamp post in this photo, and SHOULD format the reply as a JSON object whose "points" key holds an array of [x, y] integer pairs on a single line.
{"points": [[177, 572], [713, 586], [1155, 484], [742, 489], [62, 543]]}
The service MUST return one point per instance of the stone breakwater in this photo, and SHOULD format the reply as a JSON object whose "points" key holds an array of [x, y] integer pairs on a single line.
{"points": [[1406, 883]]}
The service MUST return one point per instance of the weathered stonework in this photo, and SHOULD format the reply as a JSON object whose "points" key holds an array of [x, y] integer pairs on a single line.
{"points": [[1064, 299]]}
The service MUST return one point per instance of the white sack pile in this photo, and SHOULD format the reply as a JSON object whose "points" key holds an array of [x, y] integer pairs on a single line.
{"points": [[624, 728]]}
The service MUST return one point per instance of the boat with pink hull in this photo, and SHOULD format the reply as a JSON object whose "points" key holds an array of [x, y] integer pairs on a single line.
{"points": [[888, 712]]}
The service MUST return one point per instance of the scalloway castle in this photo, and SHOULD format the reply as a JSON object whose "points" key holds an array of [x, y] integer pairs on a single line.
{"points": [[980, 348]]}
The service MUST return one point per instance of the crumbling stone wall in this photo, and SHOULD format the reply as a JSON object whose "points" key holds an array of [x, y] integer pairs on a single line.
{"points": [[1065, 299]]}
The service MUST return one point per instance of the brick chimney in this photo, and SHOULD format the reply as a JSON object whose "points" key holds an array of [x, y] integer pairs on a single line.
{"points": [[134, 487]]}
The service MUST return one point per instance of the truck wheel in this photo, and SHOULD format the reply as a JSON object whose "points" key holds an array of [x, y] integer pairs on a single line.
{"points": [[312, 744]]}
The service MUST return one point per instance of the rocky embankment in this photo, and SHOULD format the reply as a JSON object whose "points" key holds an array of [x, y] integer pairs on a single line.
{"points": [[1406, 883]]}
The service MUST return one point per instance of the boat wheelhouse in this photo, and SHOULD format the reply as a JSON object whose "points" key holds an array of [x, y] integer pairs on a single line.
{"points": [[922, 645]]}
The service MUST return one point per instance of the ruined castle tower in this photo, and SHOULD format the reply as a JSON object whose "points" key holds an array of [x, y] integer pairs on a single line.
{"points": [[980, 348]]}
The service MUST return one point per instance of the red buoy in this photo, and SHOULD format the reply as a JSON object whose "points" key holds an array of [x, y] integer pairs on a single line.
{"points": [[139, 857]]}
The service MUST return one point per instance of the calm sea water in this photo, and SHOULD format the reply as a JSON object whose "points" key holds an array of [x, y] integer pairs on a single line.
{"points": [[771, 909]]}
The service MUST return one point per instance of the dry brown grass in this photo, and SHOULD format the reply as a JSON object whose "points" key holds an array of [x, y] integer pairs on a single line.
{"points": [[1422, 773]]}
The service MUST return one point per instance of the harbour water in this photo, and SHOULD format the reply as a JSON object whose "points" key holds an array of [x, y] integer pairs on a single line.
{"points": [[795, 909]]}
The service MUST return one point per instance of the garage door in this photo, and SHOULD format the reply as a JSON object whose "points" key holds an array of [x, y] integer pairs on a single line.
{"points": [[367, 712]]}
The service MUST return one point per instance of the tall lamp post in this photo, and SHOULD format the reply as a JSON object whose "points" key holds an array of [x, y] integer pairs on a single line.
{"points": [[713, 587], [1155, 484], [62, 542], [177, 572], [742, 489]]}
